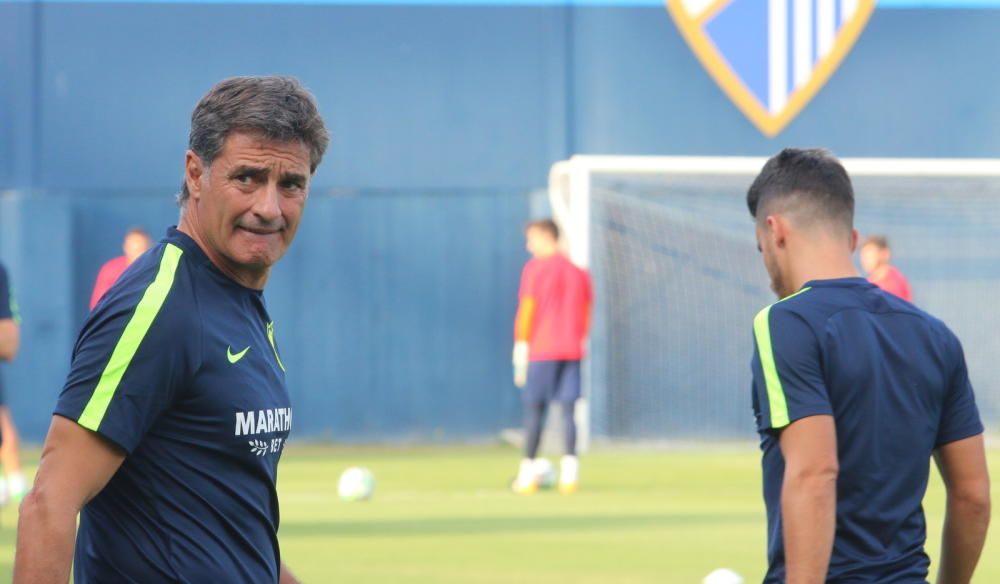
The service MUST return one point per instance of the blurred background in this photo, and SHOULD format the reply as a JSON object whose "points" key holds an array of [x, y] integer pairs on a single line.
{"points": [[394, 308], [445, 119]]}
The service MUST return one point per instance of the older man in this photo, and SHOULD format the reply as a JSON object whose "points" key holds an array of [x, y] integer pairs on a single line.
{"points": [[167, 434]]}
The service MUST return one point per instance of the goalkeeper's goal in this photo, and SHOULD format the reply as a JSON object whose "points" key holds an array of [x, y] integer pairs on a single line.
{"points": [[678, 278]]}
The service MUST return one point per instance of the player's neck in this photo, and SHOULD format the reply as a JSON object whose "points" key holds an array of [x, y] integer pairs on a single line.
{"points": [[822, 265], [253, 279]]}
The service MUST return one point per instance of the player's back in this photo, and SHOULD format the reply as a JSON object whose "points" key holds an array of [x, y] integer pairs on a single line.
{"points": [[561, 293], [895, 381]]}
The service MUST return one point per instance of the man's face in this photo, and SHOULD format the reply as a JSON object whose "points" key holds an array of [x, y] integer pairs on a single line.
{"points": [[772, 257], [872, 257], [251, 201]]}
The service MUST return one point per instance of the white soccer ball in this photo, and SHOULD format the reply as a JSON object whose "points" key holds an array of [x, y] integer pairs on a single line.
{"points": [[356, 484], [723, 576], [545, 473]]}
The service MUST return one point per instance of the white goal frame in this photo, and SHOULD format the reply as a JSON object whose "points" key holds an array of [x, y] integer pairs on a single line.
{"points": [[569, 196]]}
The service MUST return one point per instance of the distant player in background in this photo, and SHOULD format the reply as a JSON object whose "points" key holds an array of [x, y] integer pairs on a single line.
{"points": [[12, 485], [875, 257], [137, 241], [552, 322], [854, 390]]}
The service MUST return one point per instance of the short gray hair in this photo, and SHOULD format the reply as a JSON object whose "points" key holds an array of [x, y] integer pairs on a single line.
{"points": [[277, 108]]}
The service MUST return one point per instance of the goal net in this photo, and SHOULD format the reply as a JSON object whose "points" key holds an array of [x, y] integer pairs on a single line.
{"points": [[678, 278]]}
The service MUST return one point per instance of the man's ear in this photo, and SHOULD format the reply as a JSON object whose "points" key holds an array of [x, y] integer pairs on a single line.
{"points": [[855, 237], [194, 168], [777, 230]]}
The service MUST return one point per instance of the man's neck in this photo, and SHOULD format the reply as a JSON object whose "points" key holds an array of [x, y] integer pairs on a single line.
{"points": [[822, 265]]}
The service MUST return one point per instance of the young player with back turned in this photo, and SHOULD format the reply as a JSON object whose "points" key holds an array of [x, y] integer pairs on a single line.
{"points": [[854, 390]]}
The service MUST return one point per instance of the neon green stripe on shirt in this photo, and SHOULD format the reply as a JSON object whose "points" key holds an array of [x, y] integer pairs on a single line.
{"points": [[135, 331], [777, 404]]}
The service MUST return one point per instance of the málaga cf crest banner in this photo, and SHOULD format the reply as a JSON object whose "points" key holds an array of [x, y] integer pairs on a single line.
{"points": [[771, 56]]}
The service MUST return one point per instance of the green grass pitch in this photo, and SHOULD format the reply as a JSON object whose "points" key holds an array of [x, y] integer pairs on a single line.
{"points": [[443, 515]]}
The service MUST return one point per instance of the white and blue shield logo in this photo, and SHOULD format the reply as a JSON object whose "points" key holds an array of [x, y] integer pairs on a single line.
{"points": [[771, 56]]}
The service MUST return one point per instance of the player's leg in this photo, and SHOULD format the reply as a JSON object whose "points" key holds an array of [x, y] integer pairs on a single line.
{"points": [[13, 485], [535, 398], [568, 393]]}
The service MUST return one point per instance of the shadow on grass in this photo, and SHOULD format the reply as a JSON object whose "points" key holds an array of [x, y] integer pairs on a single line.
{"points": [[508, 524]]}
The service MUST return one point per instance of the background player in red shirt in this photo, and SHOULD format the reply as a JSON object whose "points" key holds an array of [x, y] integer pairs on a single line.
{"points": [[875, 255], [137, 241], [552, 322]]}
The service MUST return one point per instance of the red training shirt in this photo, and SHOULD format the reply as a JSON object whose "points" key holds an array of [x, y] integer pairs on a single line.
{"points": [[892, 280], [554, 312], [106, 278]]}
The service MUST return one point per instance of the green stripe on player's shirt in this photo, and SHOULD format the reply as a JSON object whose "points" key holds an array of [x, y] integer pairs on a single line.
{"points": [[136, 329], [777, 405]]}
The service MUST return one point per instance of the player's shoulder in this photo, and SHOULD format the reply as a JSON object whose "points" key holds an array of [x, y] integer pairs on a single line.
{"points": [[800, 304]]}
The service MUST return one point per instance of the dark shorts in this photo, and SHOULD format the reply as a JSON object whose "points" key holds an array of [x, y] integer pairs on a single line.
{"points": [[552, 381]]}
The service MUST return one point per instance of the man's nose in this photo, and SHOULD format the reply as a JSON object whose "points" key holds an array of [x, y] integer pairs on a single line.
{"points": [[266, 205]]}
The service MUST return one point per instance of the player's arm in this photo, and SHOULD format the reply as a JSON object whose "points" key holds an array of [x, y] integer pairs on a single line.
{"points": [[809, 497], [10, 334], [967, 516], [523, 323], [10, 339], [961, 460], [790, 392], [75, 465]]}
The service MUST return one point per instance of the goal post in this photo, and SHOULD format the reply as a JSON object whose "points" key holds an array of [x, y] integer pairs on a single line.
{"points": [[670, 246]]}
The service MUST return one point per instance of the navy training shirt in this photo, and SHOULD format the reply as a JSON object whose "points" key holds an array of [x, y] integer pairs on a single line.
{"points": [[8, 310], [895, 381], [178, 367]]}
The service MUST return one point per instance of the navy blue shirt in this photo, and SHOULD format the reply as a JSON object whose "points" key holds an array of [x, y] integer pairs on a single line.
{"points": [[8, 310], [895, 381], [179, 369]]}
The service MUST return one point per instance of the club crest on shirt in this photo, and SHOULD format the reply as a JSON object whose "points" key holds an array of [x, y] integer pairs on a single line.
{"points": [[771, 57]]}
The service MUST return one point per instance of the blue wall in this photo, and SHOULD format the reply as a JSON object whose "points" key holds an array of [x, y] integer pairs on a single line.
{"points": [[399, 294]]}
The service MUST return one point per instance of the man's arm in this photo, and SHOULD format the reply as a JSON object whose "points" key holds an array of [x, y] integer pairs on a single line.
{"points": [[10, 339], [962, 465], [76, 464], [809, 497]]}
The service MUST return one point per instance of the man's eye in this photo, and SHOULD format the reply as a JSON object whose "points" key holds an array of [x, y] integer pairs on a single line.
{"points": [[244, 179]]}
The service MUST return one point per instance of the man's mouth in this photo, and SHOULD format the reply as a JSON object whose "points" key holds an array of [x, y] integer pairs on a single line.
{"points": [[259, 230]]}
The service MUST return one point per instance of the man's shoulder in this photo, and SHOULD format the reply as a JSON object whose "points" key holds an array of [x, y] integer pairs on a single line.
{"points": [[159, 278]]}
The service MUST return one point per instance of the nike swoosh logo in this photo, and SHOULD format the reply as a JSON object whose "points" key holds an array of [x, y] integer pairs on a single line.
{"points": [[234, 358]]}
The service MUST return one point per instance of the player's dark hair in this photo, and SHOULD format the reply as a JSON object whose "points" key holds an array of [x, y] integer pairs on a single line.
{"points": [[277, 108], [879, 241], [547, 225], [811, 181]]}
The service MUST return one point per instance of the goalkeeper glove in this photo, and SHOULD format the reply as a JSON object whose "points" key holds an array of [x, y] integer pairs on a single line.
{"points": [[520, 361]]}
